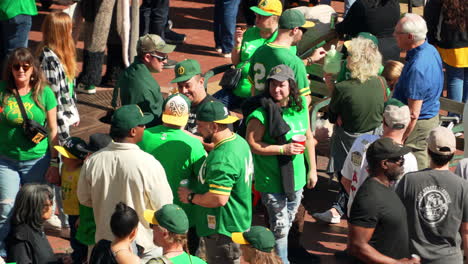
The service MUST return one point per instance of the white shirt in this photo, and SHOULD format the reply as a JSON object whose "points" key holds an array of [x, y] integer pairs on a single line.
{"points": [[355, 165], [122, 172]]}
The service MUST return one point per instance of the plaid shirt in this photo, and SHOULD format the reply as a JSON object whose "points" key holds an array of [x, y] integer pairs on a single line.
{"points": [[66, 104]]}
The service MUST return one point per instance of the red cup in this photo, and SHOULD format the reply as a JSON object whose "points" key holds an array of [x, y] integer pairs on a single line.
{"points": [[299, 139]]}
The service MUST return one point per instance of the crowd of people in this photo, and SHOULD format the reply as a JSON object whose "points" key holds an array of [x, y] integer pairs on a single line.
{"points": [[177, 179]]}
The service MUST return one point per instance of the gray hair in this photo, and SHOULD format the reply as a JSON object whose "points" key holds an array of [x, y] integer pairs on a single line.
{"points": [[415, 25], [364, 60], [30, 204]]}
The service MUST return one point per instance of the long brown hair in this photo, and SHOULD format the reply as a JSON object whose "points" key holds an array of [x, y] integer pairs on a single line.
{"points": [[456, 14], [57, 36], [37, 81], [255, 256]]}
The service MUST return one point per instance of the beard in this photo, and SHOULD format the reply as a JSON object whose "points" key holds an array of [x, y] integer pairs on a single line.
{"points": [[394, 174], [208, 138]]}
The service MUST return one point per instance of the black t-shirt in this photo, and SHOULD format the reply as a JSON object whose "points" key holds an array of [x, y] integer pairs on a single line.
{"points": [[102, 253], [377, 206], [192, 120]]}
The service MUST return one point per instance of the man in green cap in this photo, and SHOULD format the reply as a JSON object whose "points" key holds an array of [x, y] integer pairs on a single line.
{"points": [[292, 25], [180, 154], [222, 192], [122, 172], [170, 225], [136, 85], [191, 84]]}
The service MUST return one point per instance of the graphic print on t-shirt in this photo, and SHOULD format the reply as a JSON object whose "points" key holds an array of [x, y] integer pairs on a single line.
{"points": [[14, 113], [433, 203]]}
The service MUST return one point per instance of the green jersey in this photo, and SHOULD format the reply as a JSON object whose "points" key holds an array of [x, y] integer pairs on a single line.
{"points": [[87, 229], [185, 258], [227, 170], [14, 143], [267, 172], [180, 154], [12, 8], [270, 55], [251, 41]]}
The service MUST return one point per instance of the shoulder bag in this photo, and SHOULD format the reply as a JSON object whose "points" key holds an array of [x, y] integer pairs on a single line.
{"points": [[32, 129]]}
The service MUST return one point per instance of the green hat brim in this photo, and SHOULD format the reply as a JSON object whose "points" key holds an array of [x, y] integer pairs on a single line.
{"points": [[147, 117], [260, 11], [183, 78]]}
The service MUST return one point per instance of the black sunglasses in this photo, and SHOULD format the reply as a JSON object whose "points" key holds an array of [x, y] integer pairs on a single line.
{"points": [[398, 160], [25, 67], [160, 58], [304, 30], [151, 226]]}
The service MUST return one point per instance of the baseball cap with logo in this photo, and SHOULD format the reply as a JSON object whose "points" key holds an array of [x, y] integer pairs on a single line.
{"points": [[185, 70], [73, 148], [268, 8], [176, 110], [281, 73], [259, 237], [128, 117], [170, 216], [385, 148], [293, 18], [150, 43], [365, 35], [441, 141], [396, 114], [214, 111]]}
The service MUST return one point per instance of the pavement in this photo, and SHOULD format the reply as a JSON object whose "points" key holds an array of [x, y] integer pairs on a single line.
{"points": [[194, 18]]}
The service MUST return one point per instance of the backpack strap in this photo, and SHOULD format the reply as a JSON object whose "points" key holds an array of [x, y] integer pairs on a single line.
{"points": [[160, 260]]}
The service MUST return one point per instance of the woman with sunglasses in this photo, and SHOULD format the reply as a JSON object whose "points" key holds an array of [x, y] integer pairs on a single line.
{"points": [[27, 242], [21, 159]]}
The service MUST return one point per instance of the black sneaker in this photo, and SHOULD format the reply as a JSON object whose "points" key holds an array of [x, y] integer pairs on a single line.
{"points": [[174, 38], [170, 64]]}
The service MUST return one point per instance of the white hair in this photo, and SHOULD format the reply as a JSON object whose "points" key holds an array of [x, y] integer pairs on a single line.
{"points": [[415, 25]]}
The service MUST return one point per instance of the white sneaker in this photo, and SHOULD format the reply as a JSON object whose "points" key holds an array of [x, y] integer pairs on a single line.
{"points": [[2, 261], [327, 217], [219, 50], [226, 55]]}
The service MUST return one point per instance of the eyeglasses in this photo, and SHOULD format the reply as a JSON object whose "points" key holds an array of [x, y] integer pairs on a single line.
{"points": [[161, 59], [304, 30], [398, 160], [25, 67], [151, 226]]}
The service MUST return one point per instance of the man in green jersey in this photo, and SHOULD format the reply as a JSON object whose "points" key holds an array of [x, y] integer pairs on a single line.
{"points": [[292, 25], [180, 154], [223, 188], [170, 225]]}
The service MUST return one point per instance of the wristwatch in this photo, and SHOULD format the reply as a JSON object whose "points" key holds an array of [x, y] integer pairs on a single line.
{"points": [[190, 197]]}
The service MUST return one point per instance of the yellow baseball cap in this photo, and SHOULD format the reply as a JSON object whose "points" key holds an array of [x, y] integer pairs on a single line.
{"points": [[268, 8]]}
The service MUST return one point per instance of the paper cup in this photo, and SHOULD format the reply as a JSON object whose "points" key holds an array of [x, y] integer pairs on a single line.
{"points": [[300, 139]]}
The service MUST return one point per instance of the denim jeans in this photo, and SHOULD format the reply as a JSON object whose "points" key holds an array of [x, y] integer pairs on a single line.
{"points": [[153, 17], [457, 83], [14, 173], [224, 23], [229, 99], [80, 251], [14, 33], [281, 213], [348, 4]]}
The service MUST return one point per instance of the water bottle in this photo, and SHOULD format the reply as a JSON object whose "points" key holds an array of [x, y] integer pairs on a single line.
{"points": [[332, 63]]}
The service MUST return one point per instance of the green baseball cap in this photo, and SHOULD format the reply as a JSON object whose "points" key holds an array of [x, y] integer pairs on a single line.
{"points": [[365, 35], [259, 237], [170, 216], [292, 18], [268, 8], [185, 70], [214, 111], [128, 117]]}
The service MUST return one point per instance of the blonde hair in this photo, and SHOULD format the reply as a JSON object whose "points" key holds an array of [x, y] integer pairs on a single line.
{"points": [[364, 59], [255, 256], [57, 36], [392, 71]]}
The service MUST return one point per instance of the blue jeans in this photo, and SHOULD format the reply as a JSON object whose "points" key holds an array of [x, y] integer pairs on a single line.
{"points": [[14, 33], [80, 251], [281, 213], [14, 173], [224, 23], [229, 99], [153, 17], [348, 4], [457, 83]]}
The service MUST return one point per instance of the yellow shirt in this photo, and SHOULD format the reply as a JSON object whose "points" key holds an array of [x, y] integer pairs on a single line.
{"points": [[455, 57], [69, 188]]}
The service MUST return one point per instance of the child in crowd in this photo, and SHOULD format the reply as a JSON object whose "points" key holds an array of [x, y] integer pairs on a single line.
{"points": [[73, 153], [391, 73], [257, 245], [124, 226]]}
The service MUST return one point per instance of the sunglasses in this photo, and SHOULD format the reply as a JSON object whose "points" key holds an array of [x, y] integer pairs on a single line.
{"points": [[304, 30], [398, 160], [160, 58], [25, 67], [151, 226]]}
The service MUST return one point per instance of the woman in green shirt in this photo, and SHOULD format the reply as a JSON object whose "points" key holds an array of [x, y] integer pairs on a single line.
{"points": [[21, 160]]}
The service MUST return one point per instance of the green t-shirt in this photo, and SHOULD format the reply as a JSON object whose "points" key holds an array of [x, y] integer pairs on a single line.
{"points": [[13, 141], [87, 229], [227, 170], [185, 258], [270, 55], [250, 43], [180, 154], [12, 8], [267, 172]]}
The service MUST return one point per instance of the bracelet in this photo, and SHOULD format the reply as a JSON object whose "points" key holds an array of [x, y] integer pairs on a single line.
{"points": [[54, 164], [309, 61], [281, 150], [56, 159]]}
